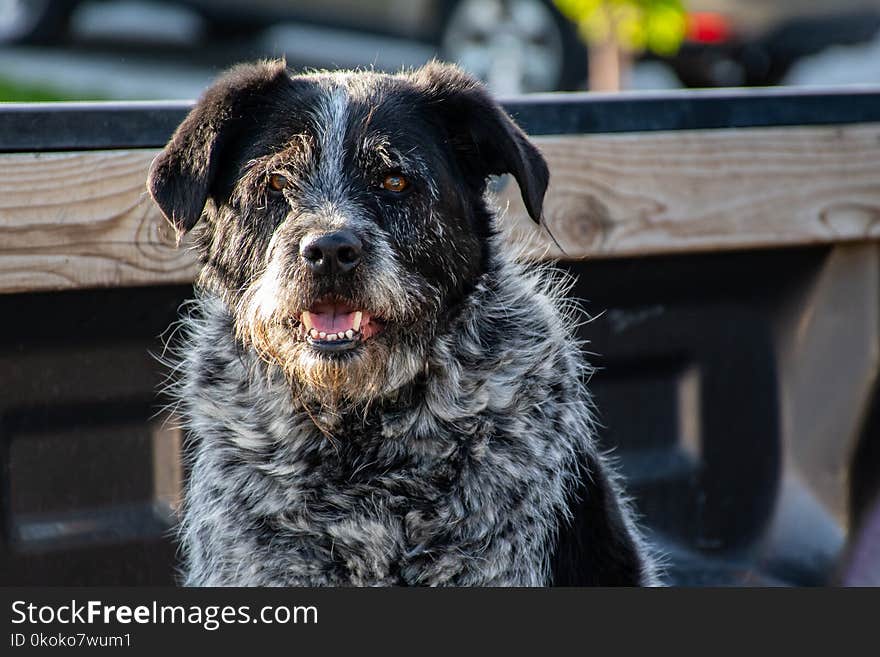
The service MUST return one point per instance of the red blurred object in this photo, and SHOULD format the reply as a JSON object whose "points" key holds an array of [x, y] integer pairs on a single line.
{"points": [[708, 27]]}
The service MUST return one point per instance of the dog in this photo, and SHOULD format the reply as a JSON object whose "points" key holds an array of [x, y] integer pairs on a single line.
{"points": [[375, 390]]}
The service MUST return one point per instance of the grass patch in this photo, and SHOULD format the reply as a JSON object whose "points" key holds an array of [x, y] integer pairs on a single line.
{"points": [[18, 92]]}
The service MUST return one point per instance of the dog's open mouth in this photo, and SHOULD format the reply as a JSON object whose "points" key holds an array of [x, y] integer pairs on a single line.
{"points": [[334, 326]]}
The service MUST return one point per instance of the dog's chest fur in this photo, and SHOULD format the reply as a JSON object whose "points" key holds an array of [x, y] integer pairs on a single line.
{"points": [[461, 478]]}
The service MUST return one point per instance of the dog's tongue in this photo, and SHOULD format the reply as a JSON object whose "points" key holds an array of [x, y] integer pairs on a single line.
{"points": [[328, 318], [332, 323]]}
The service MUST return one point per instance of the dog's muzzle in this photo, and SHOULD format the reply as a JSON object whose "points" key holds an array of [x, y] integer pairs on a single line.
{"points": [[331, 325]]}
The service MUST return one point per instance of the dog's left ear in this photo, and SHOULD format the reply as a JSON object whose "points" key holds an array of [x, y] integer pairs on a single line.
{"points": [[486, 139], [182, 174]]}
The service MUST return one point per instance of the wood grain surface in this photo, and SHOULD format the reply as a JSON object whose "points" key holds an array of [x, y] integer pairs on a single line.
{"points": [[635, 194], [73, 220]]}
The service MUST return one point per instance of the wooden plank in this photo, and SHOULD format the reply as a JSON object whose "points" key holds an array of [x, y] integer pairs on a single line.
{"points": [[83, 219], [701, 191], [72, 220]]}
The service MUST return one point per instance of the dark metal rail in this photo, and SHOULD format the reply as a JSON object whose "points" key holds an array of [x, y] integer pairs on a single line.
{"points": [[35, 127]]}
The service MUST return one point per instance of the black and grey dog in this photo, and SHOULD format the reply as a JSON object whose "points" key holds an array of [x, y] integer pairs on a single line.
{"points": [[376, 393]]}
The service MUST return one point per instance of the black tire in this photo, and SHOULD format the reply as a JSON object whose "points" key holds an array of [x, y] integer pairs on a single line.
{"points": [[573, 72], [574, 68], [36, 21], [222, 27]]}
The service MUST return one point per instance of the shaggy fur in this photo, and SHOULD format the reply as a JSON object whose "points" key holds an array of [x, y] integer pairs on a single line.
{"points": [[452, 447]]}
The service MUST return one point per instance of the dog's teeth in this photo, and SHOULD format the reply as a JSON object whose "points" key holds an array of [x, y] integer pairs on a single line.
{"points": [[356, 324], [306, 319], [322, 335], [349, 334], [314, 333], [331, 337]]}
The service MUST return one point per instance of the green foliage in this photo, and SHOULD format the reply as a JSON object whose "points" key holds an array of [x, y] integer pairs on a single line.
{"points": [[636, 25]]}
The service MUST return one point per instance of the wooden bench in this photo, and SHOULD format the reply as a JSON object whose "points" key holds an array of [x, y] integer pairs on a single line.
{"points": [[729, 238]]}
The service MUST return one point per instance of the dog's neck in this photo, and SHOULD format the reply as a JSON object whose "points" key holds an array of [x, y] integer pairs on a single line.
{"points": [[509, 317]]}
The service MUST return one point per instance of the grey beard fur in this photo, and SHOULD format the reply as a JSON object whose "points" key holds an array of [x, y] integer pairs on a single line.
{"points": [[460, 478]]}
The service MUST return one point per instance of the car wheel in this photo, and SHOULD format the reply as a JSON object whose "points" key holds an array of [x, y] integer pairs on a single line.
{"points": [[33, 21], [220, 27], [515, 46]]}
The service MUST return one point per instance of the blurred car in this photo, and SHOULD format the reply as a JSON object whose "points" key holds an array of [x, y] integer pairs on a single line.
{"points": [[756, 42], [521, 46], [515, 45]]}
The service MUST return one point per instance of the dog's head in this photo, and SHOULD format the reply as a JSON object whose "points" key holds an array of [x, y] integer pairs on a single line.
{"points": [[344, 218]]}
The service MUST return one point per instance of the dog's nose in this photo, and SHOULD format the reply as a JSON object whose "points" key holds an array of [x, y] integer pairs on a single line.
{"points": [[330, 253]]}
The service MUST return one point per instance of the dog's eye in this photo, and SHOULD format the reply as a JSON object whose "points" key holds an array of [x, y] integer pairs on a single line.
{"points": [[395, 183], [278, 183]]}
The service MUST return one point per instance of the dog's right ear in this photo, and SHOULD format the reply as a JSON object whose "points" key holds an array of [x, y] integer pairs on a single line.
{"points": [[181, 175], [485, 137]]}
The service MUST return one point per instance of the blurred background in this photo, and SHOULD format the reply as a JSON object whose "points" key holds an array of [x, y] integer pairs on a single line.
{"points": [[170, 49]]}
